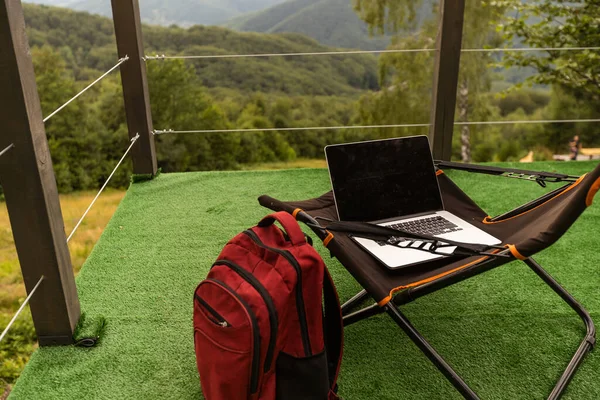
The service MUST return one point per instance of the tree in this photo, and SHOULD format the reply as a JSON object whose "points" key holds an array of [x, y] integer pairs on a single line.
{"points": [[474, 77], [574, 75], [179, 102], [405, 78], [74, 144], [556, 24], [409, 77], [262, 146]]}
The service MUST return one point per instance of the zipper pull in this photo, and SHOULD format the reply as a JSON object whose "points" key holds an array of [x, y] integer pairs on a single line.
{"points": [[224, 324]]}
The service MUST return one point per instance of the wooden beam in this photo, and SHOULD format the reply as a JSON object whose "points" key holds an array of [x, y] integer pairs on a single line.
{"points": [[128, 29], [29, 185], [445, 81]]}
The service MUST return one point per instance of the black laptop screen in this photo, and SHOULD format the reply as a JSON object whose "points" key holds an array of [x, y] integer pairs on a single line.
{"points": [[383, 179]]}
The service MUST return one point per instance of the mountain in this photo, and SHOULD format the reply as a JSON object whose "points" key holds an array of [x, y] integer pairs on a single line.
{"points": [[331, 22], [180, 12], [87, 44]]}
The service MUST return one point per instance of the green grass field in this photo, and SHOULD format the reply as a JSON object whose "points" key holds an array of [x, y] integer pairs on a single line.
{"points": [[505, 332]]}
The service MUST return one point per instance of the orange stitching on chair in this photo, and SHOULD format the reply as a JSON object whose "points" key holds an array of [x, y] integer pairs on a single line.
{"points": [[328, 239], [296, 212], [433, 278], [439, 172], [515, 252], [487, 220], [593, 190]]}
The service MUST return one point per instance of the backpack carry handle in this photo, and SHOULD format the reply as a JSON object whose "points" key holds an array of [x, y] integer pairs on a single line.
{"points": [[289, 223]]}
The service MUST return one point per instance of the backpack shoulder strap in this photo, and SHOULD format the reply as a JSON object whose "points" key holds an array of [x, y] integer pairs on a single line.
{"points": [[334, 329]]}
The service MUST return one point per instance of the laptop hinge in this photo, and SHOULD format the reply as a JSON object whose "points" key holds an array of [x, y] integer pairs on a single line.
{"points": [[383, 221]]}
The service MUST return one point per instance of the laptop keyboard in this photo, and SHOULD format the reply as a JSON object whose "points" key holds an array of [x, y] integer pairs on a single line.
{"points": [[431, 226]]}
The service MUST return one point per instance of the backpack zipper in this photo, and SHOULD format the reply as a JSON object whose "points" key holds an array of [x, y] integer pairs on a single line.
{"points": [[299, 294], [268, 300], [255, 334], [218, 319]]}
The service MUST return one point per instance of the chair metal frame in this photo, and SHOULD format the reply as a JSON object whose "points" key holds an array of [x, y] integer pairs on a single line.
{"points": [[351, 315], [409, 295]]}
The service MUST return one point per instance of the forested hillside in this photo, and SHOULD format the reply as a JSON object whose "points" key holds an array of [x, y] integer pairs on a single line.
{"points": [[165, 12], [87, 41], [72, 48]]}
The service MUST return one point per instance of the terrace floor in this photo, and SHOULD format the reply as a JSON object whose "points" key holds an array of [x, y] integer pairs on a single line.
{"points": [[505, 332]]}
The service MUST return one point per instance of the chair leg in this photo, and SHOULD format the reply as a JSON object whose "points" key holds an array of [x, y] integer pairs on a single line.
{"points": [[588, 342], [363, 314], [354, 302], [430, 352]]}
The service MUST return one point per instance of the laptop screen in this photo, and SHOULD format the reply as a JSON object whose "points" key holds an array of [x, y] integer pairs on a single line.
{"points": [[383, 179]]}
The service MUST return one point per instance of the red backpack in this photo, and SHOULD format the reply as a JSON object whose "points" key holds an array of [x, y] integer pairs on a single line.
{"points": [[260, 331]]}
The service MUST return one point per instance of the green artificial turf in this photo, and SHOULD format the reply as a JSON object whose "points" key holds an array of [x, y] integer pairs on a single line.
{"points": [[505, 332]]}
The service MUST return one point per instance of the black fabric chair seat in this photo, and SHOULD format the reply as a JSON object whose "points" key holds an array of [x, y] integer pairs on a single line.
{"points": [[531, 231]]}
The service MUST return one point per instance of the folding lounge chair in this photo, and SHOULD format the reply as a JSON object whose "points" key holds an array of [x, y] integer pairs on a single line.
{"points": [[524, 232]]}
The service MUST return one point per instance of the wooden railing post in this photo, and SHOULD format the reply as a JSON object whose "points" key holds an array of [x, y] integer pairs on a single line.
{"points": [[445, 81], [29, 186], [128, 30]]}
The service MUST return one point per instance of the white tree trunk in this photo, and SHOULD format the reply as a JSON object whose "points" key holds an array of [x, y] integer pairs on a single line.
{"points": [[463, 109]]}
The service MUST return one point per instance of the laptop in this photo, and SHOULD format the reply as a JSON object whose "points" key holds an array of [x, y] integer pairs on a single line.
{"points": [[393, 183]]}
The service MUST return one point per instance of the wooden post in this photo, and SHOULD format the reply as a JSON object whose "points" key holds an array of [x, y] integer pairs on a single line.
{"points": [[128, 30], [29, 185], [445, 80]]}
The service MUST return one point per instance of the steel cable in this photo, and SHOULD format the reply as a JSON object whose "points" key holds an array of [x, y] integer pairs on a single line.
{"points": [[121, 61], [354, 52], [103, 187], [325, 128]]}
